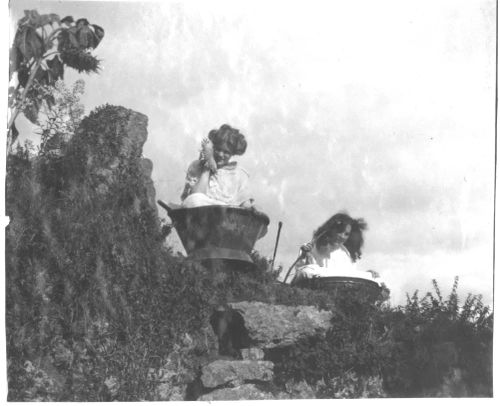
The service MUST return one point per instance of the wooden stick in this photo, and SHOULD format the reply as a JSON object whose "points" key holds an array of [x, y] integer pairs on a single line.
{"points": [[290, 270], [276, 244]]}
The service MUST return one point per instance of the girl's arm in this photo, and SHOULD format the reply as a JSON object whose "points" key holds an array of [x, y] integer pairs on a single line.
{"points": [[207, 155], [196, 179], [202, 185], [307, 256]]}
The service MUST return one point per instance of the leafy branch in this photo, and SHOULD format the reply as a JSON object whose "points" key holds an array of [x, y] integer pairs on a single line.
{"points": [[43, 46]]}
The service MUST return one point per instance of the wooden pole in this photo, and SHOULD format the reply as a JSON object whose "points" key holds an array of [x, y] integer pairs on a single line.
{"points": [[280, 224]]}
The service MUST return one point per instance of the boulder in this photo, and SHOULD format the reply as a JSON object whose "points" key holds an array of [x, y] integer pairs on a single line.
{"points": [[222, 372], [272, 326], [243, 392]]}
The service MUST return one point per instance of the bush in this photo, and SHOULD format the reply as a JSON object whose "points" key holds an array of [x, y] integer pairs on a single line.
{"points": [[87, 272], [414, 348]]}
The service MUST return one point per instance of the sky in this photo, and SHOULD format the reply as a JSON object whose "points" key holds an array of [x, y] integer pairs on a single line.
{"points": [[384, 109]]}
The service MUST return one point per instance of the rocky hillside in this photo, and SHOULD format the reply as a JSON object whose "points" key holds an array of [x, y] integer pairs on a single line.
{"points": [[99, 308]]}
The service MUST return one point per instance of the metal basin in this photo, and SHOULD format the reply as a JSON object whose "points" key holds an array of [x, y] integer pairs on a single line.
{"points": [[218, 232], [340, 283]]}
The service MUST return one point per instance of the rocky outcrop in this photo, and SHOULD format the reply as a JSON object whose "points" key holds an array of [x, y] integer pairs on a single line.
{"points": [[267, 326], [272, 326], [107, 147], [94, 245]]}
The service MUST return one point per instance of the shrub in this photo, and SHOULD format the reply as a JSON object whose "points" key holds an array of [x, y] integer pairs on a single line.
{"points": [[413, 348], [87, 272]]}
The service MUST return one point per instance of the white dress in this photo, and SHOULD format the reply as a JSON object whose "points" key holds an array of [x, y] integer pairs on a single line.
{"points": [[338, 263], [227, 186]]}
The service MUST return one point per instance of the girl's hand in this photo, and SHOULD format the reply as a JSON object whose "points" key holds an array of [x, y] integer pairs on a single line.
{"points": [[306, 247], [248, 204], [207, 155], [375, 274]]}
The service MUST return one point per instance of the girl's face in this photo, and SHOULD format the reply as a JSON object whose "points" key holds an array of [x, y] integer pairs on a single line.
{"points": [[335, 240], [222, 155], [343, 236]]}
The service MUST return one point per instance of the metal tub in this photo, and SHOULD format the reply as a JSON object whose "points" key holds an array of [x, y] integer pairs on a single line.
{"points": [[218, 232], [340, 283]]}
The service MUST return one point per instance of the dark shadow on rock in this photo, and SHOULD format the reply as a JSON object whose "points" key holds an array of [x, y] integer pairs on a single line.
{"points": [[229, 326]]}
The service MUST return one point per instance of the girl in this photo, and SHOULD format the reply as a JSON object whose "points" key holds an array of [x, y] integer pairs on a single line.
{"points": [[213, 178], [334, 249]]}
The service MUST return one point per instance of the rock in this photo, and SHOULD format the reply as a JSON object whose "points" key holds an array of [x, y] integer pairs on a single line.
{"points": [[278, 325], [252, 354], [243, 392], [221, 372], [205, 342], [146, 166], [107, 147]]}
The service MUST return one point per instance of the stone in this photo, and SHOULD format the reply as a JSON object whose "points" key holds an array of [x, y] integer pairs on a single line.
{"points": [[243, 392], [146, 166], [205, 342], [222, 372], [272, 326], [252, 354]]}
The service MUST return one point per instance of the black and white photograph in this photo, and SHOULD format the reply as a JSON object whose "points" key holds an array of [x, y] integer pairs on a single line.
{"points": [[234, 200]]}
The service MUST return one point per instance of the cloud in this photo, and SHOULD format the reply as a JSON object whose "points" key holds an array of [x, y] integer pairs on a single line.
{"points": [[387, 113], [410, 272]]}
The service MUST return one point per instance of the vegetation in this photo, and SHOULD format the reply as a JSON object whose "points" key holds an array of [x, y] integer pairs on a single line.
{"points": [[92, 290], [43, 46], [94, 295], [97, 305], [414, 350]]}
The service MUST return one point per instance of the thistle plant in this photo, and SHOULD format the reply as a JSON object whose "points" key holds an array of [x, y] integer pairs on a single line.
{"points": [[43, 46]]}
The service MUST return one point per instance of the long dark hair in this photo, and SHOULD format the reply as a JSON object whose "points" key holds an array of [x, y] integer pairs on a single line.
{"points": [[337, 224]]}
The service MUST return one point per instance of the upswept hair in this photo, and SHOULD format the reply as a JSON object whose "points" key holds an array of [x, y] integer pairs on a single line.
{"points": [[337, 224], [229, 137]]}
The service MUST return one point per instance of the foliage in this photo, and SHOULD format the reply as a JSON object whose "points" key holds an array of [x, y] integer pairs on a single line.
{"points": [[96, 304], [350, 386], [92, 289], [43, 46], [433, 335], [414, 348], [64, 117]]}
